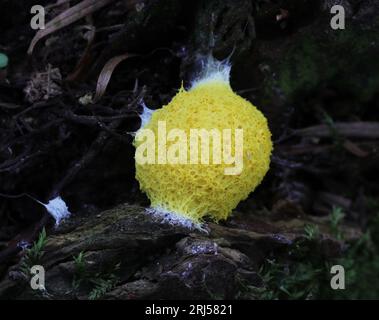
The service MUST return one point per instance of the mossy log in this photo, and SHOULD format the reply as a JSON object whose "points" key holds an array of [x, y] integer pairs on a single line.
{"points": [[150, 258]]}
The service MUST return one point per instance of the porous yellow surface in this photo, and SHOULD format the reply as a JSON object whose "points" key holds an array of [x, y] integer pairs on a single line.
{"points": [[198, 190]]}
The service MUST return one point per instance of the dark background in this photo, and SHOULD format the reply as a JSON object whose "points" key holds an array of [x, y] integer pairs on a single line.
{"points": [[318, 88]]}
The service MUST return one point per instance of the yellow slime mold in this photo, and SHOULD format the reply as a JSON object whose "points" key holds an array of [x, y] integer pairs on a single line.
{"points": [[197, 190]]}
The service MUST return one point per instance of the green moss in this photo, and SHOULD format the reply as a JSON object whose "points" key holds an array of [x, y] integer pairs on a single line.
{"points": [[300, 70], [98, 283], [310, 277], [344, 60], [34, 254]]}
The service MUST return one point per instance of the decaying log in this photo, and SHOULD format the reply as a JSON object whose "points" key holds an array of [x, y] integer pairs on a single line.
{"points": [[155, 259]]}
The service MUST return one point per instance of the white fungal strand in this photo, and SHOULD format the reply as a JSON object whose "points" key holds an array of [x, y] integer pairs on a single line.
{"points": [[212, 70], [146, 115], [58, 209], [174, 219]]}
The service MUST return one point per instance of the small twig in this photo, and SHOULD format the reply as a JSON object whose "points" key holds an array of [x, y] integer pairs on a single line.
{"points": [[368, 130], [11, 106], [31, 134], [37, 105], [92, 120]]}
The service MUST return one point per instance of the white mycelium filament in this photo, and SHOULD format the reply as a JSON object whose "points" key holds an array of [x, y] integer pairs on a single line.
{"points": [[212, 70], [58, 209]]}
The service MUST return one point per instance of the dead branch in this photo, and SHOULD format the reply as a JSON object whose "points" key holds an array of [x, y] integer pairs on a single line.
{"points": [[368, 130]]}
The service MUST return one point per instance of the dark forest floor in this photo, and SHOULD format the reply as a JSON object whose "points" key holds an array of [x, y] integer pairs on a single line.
{"points": [[64, 131]]}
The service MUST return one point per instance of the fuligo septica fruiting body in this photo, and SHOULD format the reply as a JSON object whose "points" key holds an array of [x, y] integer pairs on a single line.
{"points": [[215, 185]]}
